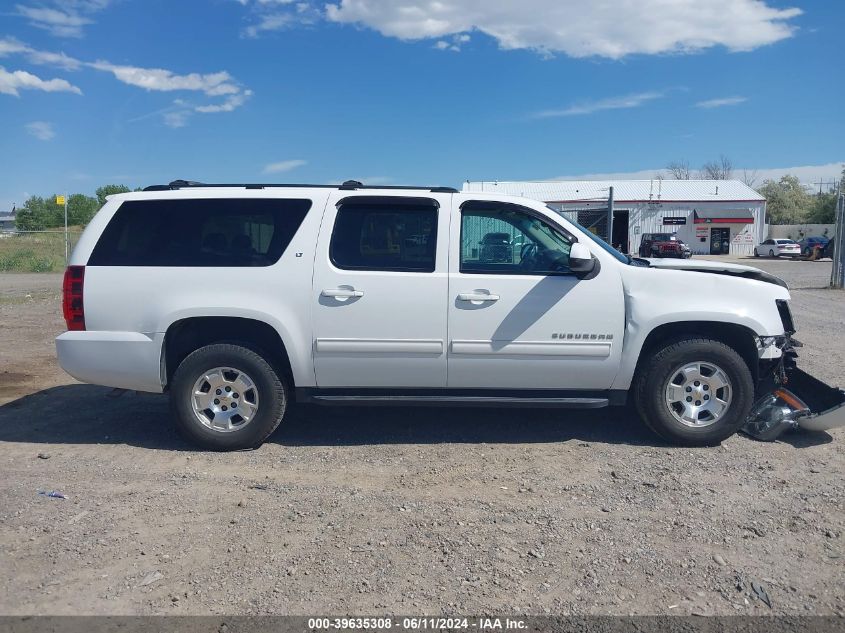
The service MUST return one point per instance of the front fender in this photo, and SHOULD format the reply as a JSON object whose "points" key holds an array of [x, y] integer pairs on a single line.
{"points": [[655, 298]]}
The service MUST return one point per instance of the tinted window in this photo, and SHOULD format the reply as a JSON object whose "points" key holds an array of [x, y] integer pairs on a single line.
{"points": [[207, 232], [385, 237], [507, 241]]}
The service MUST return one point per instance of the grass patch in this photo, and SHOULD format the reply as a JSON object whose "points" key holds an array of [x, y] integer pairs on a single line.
{"points": [[33, 252]]}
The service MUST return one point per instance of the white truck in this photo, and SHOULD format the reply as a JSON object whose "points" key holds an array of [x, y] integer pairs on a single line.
{"points": [[239, 300]]}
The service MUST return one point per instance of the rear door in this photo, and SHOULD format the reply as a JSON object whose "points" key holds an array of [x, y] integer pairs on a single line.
{"points": [[380, 291]]}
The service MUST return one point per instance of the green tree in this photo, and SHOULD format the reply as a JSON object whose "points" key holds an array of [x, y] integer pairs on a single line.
{"points": [[108, 190], [81, 208], [55, 213], [32, 216], [787, 200]]}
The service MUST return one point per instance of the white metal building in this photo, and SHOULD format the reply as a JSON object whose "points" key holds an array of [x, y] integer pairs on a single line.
{"points": [[715, 217], [7, 220]]}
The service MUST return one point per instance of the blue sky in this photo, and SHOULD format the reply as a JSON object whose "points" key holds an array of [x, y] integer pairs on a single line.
{"points": [[141, 92]]}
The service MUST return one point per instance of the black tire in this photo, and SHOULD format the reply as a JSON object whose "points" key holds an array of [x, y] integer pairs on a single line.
{"points": [[771, 253], [271, 393], [756, 254], [655, 372]]}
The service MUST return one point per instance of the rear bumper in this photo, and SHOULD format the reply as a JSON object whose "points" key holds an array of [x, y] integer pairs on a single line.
{"points": [[127, 360]]}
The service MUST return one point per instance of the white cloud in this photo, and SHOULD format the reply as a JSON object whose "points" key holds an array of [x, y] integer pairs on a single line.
{"points": [[610, 103], [12, 82], [721, 102], [159, 79], [11, 46], [231, 103], [271, 22], [59, 60], [219, 84], [612, 28], [283, 166], [57, 21], [177, 118], [62, 18], [453, 44], [807, 174], [42, 130], [276, 15]]}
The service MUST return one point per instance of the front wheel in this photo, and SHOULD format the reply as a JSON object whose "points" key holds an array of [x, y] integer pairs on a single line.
{"points": [[771, 253], [756, 254], [227, 397], [694, 392]]}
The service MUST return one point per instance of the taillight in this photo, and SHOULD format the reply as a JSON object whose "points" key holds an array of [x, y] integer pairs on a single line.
{"points": [[72, 305]]}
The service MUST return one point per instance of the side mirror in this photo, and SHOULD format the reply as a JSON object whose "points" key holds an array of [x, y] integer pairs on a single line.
{"points": [[580, 259]]}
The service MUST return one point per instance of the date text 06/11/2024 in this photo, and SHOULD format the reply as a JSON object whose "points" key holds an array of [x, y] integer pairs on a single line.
{"points": [[421, 623]]}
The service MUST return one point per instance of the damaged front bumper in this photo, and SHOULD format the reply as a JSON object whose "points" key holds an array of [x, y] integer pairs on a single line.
{"points": [[794, 399]]}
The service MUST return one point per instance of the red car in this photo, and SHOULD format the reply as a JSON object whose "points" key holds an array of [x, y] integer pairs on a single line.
{"points": [[663, 245]]}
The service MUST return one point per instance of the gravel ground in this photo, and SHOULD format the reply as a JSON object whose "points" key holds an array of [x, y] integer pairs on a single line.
{"points": [[407, 510]]}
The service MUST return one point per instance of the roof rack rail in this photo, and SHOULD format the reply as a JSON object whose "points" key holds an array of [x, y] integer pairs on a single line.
{"points": [[349, 185]]}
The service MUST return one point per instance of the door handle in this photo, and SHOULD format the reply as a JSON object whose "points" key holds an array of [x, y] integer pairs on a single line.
{"points": [[342, 293], [477, 296]]}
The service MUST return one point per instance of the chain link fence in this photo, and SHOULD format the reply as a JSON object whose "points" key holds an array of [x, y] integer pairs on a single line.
{"points": [[35, 251]]}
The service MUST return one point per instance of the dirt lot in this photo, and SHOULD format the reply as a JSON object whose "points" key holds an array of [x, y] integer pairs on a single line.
{"points": [[406, 510]]}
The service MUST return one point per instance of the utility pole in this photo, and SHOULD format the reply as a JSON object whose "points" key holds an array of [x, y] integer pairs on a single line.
{"points": [[837, 275], [610, 217]]}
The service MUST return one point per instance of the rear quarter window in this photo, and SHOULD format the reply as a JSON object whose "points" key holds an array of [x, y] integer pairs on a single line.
{"points": [[225, 232]]}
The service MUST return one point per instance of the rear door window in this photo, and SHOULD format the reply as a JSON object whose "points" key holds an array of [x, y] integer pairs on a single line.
{"points": [[385, 236], [217, 232]]}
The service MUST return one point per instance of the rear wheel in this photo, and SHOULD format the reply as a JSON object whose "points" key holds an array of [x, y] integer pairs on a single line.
{"points": [[227, 397], [694, 392], [756, 254]]}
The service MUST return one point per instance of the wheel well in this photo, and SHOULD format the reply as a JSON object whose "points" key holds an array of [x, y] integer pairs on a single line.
{"points": [[187, 335], [738, 337]]}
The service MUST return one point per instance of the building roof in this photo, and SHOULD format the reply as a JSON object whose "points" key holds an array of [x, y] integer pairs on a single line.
{"points": [[623, 190]]}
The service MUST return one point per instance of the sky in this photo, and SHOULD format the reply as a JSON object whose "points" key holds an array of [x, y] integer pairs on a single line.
{"points": [[140, 92]]}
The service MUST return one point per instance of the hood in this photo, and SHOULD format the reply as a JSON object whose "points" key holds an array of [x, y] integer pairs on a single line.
{"points": [[718, 268]]}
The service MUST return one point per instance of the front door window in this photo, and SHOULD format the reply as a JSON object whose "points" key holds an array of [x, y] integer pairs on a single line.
{"points": [[511, 242]]}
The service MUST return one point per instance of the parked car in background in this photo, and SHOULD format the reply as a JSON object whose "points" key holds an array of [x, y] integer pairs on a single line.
{"points": [[663, 245], [496, 247], [777, 248], [828, 250], [807, 244]]}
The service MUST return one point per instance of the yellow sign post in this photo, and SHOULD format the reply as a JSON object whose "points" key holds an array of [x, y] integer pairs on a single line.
{"points": [[62, 201]]}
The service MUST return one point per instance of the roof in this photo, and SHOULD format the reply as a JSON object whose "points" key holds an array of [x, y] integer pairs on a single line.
{"points": [[349, 185], [623, 190]]}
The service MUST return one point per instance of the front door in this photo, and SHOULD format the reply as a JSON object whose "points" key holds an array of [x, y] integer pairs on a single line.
{"points": [[720, 241], [518, 318], [379, 291]]}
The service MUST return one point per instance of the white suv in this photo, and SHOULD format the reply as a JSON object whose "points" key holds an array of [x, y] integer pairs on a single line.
{"points": [[241, 299]]}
